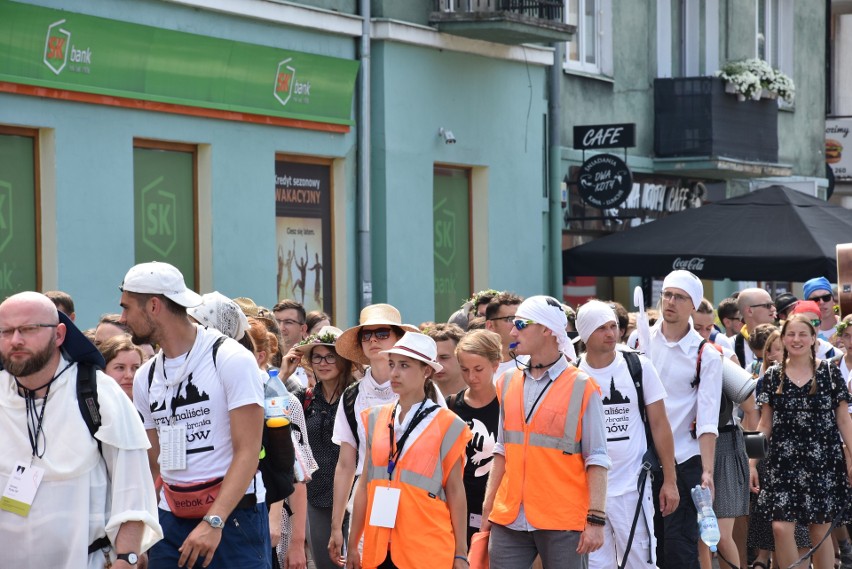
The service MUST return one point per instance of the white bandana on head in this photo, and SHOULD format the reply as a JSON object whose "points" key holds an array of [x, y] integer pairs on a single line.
{"points": [[547, 311], [592, 316], [687, 282]]}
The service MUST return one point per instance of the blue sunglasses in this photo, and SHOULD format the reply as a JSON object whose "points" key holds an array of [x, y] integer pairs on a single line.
{"points": [[521, 324]]}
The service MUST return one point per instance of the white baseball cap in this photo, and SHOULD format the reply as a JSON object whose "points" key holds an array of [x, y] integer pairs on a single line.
{"points": [[160, 278]]}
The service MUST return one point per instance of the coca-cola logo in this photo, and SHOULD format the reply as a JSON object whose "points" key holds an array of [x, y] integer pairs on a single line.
{"points": [[693, 264]]}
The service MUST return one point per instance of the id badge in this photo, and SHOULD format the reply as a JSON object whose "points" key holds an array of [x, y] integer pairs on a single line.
{"points": [[385, 505], [21, 489], [475, 521], [173, 447]]}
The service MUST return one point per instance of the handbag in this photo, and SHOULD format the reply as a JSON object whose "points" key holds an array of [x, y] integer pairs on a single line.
{"points": [[192, 501]]}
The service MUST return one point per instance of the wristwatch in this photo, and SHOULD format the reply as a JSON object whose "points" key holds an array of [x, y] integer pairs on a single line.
{"points": [[131, 558], [215, 521]]}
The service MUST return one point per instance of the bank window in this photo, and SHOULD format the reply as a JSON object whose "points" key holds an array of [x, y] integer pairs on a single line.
{"points": [[20, 249], [451, 238], [165, 203], [590, 50]]}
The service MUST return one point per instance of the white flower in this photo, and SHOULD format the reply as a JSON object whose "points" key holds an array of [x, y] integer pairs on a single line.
{"points": [[749, 77]]}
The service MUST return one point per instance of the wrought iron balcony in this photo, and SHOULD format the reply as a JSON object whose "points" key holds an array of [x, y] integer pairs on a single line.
{"points": [[503, 21]]}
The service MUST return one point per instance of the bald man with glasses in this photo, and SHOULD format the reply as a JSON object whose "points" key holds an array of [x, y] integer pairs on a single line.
{"points": [[757, 308]]}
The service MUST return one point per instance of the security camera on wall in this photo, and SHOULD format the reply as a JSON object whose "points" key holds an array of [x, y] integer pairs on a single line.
{"points": [[447, 135]]}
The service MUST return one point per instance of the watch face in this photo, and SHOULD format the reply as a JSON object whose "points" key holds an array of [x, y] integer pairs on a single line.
{"points": [[215, 521], [131, 558]]}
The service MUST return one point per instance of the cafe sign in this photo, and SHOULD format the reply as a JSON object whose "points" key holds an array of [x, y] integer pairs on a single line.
{"points": [[604, 181]]}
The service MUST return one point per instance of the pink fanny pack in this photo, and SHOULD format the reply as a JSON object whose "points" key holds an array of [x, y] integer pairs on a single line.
{"points": [[192, 500]]}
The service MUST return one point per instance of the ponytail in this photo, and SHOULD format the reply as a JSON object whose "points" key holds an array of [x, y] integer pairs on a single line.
{"points": [[431, 392]]}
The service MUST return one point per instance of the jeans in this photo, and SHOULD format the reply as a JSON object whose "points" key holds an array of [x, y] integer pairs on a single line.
{"points": [[245, 541]]}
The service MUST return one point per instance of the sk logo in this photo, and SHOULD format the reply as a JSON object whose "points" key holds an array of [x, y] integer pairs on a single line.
{"points": [[285, 78], [56, 47]]}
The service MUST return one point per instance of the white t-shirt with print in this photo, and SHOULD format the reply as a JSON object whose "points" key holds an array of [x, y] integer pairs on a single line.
{"points": [[625, 432], [201, 401]]}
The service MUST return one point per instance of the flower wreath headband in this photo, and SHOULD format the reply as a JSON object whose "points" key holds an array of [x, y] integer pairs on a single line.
{"points": [[841, 326], [327, 338]]}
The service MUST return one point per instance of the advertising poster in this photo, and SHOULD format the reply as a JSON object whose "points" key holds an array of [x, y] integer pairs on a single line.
{"points": [[838, 147], [303, 233]]}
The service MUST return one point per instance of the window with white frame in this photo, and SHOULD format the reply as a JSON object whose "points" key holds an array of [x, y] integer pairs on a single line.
{"points": [[590, 50], [774, 33], [687, 38]]}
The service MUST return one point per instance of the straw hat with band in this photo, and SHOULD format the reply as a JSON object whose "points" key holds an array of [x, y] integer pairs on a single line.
{"points": [[327, 336], [348, 344], [419, 347]]}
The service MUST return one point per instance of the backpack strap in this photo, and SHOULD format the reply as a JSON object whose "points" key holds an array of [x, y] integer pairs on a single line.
{"points": [[697, 378], [215, 349], [349, 397], [739, 348], [87, 399], [634, 366]]}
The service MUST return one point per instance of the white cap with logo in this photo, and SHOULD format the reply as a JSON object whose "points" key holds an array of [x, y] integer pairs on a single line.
{"points": [[160, 278]]}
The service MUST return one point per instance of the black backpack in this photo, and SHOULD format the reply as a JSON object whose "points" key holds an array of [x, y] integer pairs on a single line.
{"points": [[350, 394]]}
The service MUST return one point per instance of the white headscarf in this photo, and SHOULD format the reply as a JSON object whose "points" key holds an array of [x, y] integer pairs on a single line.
{"points": [[687, 282], [219, 312], [547, 311], [592, 316]]}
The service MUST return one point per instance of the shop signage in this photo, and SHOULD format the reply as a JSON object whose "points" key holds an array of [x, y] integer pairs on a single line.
{"points": [[838, 147], [604, 181], [303, 228], [605, 136], [43, 47], [650, 198]]}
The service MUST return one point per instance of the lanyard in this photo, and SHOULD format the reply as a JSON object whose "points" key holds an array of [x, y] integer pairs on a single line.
{"points": [[35, 420], [537, 399], [396, 448]]}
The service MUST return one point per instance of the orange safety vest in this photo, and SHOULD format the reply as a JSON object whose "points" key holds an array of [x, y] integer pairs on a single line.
{"points": [[422, 537], [544, 467]]}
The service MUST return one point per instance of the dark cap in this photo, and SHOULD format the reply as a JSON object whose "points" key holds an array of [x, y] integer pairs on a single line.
{"points": [[785, 301]]}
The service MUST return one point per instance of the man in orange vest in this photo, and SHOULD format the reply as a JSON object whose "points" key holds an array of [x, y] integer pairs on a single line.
{"points": [[546, 494]]}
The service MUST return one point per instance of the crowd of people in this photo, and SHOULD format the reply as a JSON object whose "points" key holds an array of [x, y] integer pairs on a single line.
{"points": [[203, 431]]}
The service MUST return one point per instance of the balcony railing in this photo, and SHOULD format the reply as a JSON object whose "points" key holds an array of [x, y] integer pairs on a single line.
{"points": [[539, 9], [504, 21]]}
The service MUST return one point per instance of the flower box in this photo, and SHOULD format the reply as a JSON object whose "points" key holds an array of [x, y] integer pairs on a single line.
{"points": [[695, 117]]}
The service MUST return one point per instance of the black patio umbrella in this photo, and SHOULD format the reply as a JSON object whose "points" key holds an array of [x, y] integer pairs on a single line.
{"points": [[774, 233]]}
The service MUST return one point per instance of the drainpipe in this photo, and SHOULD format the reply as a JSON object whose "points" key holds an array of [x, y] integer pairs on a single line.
{"points": [[554, 109], [365, 273]]}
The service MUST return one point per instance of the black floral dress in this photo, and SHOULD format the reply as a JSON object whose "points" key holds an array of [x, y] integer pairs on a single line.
{"points": [[805, 469]]}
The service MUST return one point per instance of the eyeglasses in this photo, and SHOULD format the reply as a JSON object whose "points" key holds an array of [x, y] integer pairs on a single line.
{"points": [[317, 359], [766, 305], [738, 318], [379, 333], [521, 324], [26, 331], [503, 318], [822, 298], [675, 297], [288, 322]]}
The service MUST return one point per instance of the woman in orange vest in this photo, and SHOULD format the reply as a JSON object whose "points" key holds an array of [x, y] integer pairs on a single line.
{"points": [[410, 502]]}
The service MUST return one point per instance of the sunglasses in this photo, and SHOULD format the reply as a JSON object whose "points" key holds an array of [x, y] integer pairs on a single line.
{"points": [[823, 298], [380, 334], [521, 324], [766, 305], [816, 322]]}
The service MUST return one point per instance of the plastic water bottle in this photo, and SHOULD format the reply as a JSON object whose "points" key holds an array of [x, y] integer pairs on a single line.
{"points": [[708, 526], [275, 396]]}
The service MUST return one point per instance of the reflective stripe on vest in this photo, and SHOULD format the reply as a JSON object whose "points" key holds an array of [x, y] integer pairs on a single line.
{"points": [[567, 443], [434, 482]]}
